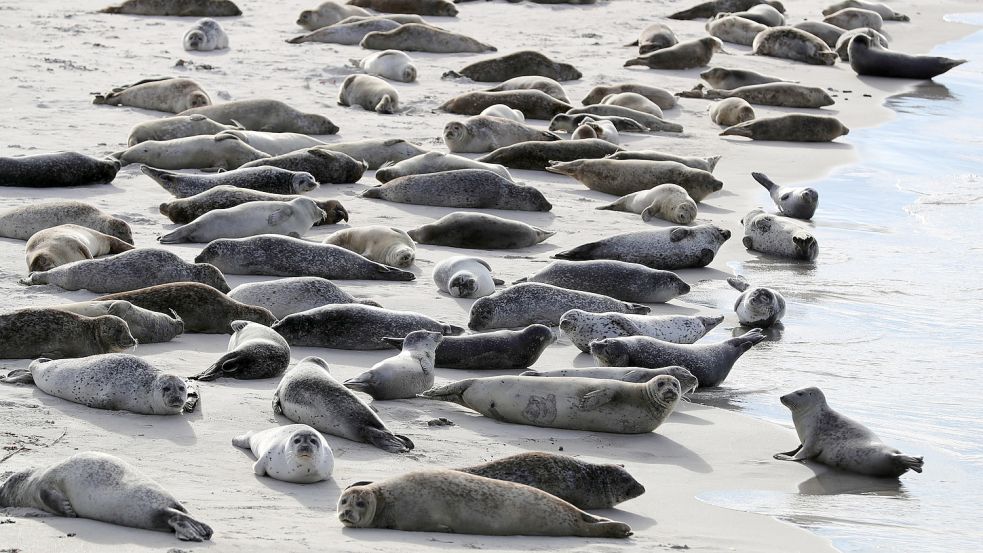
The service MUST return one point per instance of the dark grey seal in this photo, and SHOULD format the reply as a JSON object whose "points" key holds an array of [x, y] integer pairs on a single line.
{"points": [[467, 188], [534, 104], [707, 10], [534, 303], [620, 280], [355, 326], [478, 231], [869, 58], [536, 156], [264, 179], [504, 350], [255, 351], [185, 210], [667, 249], [519, 64], [793, 127], [326, 166], [266, 115], [58, 169]]}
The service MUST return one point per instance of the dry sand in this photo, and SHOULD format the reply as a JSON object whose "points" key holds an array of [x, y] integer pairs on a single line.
{"points": [[58, 52]]}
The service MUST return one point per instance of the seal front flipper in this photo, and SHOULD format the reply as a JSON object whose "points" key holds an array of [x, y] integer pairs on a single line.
{"points": [[787, 456], [387, 441], [453, 392], [597, 398], [259, 467], [18, 376], [57, 503], [193, 398]]}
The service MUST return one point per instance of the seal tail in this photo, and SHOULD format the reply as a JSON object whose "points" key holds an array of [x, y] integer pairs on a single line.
{"points": [[631, 44], [178, 236], [166, 179], [637, 309], [451, 330], [909, 462], [296, 39], [579, 253], [35, 278], [738, 283], [697, 92], [764, 181], [243, 440], [599, 527], [635, 61], [709, 323], [361, 383], [370, 302], [453, 392], [387, 441], [24, 376], [372, 193], [737, 130]]}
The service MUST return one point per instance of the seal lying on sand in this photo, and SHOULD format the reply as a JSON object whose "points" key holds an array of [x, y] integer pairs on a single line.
{"points": [[170, 94], [583, 327], [57, 169], [186, 210], [53, 333], [519, 64], [56, 246], [293, 453], [499, 350], [286, 296], [255, 351], [668, 249], [355, 326]]}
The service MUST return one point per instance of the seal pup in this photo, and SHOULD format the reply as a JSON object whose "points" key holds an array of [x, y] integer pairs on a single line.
{"points": [[55, 334], [482, 134], [465, 188], [519, 64], [792, 127], [221, 151], [286, 296], [355, 326], [723, 78], [328, 13], [368, 92], [479, 231], [386, 245], [800, 203], [293, 218], [826, 32], [779, 236], [534, 82], [842, 47], [886, 13], [266, 115], [869, 58], [464, 276], [146, 326], [710, 363], [666, 201], [668, 248], [583, 327], [348, 34], [418, 37], [441, 8], [653, 123], [377, 152], [712, 8], [187, 210], [114, 381], [731, 111], [56, 170], [101, 487], [707, 164], [629, 282], [603, 129], [435, 162], [390, 64], [264, 179], [56, 246], [276, 255], [655, 37], [202, 308], [206, 35], [622, 177], [326, 166], [793, 44], [583, 484], [735, 29], [537, 156], [534, 104], [855, 18], [170, 94], [255, 351], [292, 453], [589, 404], [503, 350], [405, 375], [308, 394], [835, 440], [178, 126], [633, 100], [757, 307], [505, 112], [788, 95], [529, 303], [760, 13], [685, 55], [658, 96], [275, 143], [687, 381]]}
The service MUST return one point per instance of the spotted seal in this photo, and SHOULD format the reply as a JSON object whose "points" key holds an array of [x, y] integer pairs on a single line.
{"points": [[286, 296], [789, 95], [707, 164], [687, 382], [793, 44], [800, 203], [529, 303], [482, 133], [842, 47], [855, 18], [632, 100], [294, 218], [255, 351], [667, 249], [757, 306], [504, 350], [435, 162], [266, 115], [649, 121], [325, 165], [463, 188], [170, 94], [583, 327], [685, 55], [56, 170], [186, 210], [55, 334], [146, 326], [292, 453], [355, 326], [779, 236], [731, 111], [667, 201], [623, 281], [264, 179], [377, 152], [734, 29], [622, 177], [537, 156]]}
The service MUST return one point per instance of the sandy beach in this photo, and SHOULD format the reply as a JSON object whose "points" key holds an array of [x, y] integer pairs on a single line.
{"points": [[59, 52]]}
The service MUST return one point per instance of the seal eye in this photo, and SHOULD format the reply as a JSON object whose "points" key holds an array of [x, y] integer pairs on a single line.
{"points": [[297, 440], [344, 501], [360, 504], [167, 388]]}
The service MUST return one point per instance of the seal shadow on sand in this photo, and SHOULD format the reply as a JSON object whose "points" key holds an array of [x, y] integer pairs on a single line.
{"points": [[104, 533]]}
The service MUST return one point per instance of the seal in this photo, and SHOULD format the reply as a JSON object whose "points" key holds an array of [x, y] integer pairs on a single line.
{"points": [[146, 326], [355, 326], [505, 112], [127, 271], [757, 307], [435, 162], [623, 281], [386, 245], [658, 96], [456, 502], [402, 19], [178, 126], [653, 123], [588, 404], [735, 29], [534, 82], [419, 37], [793, 44], [793, 127], [788, 95], [222, 197], [622, 177], [293, 218], [869, 58], [206, 35], [264, 179], [463, 188], [390, 64], [56, 246], [479, 231], [349, 34], [441, 8], [377, 152], [855, 18], [709, 363], [114, 381], [463, 276], [731, 111], [482, 134], [583, 327], [723, 78], [181, 8], [402, 376], [504, 350], [534, 104], [202, 308], [707, 164], [826, 32], [52, 333], [800, 203], [667, 201], [687, 381], [523, 63], [286, 296], [843, 43], [655, 37], [583, 484], [328, 13], [255, 351], [835, 440], [221, 151], [266, 115], [633, 100], [537, 156], [529, 303], [101, 487], [170, 94], [779, 236], [326, 166], [712, 8], [308, 394], [668, 248], [292, 453], [274, 255], [368, 92], [275, 143], [886, 13], [56, 170], [603, 129], [685, 55]]}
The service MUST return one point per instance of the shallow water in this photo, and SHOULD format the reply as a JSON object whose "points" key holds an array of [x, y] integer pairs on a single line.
{"points": [[887, 323]]}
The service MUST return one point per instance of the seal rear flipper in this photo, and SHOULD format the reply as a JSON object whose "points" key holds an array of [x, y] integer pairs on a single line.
{"points": [[361, 383], [764, 181], [530, 373], [738, 283], [697, 92], [387, 441], [373, 193], [637, 309], [18, 376], [392, 273], [177, 236], [453, 392], [214, 372], [712, 162], [523, 279], [243, 440], [57, 502], [909, 462], [580, 252], [604, 528], [500, 282], [187, 528]]}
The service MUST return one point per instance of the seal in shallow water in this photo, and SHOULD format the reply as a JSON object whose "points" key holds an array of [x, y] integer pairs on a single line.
{"points": [[800, 203], [757, 306], [869, 58], [779, 236]]}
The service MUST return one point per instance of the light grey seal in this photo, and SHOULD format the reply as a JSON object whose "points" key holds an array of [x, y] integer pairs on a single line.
{"points": [[146, 326], [622, 177], [855, 18], [206, 35], [56, 246], [792, 127], [793, 44], [464, 188], [435, 162], [685, 55], [170, 94], [886, 13], [479, 231], [583, 327], [292, 453], [377, 152], [482, 134], [402, 376], [379, 243], [180, 8], [761, 13], [687, 382], [651, 122], [417, 37], [779, 236], [735, 29], [355, 326], [101, 487], [537, 156], [667, 201], [505, 112], [520, 64], [265, 179], [731, 111], [826, 32], [56, 170], [328, 13], [221, 197], [709, 9], [655, 37], [286, 296], [727, 79], [308, 394], [832, 439], [843, 43], [529, 303], [266, 115], [368, 92], [534, 82], [623, 281], [668, 249], [503, 350], [348, 34], [441, 8], [659, 96], [800, 203], [178, 126], [869, 58], [255, 351], [464, 276], [275, 143], [220, 151], [390, 64], [707, 164], [52, 333], [294, 218], [591, 128], [326, 166], [534, 104], [632, 100], [788, 95], [757, 306]]}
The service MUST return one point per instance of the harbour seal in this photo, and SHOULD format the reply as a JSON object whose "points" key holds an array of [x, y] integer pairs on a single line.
{"points": [[328, 13], [792, 127], [668, 201], [832, 439], [800, 203], [181, 8], [206, 35], [275, 143], [286, 296], [505, 112], [348, 34], [368, 92], [779, 236], [255, 351], [292, 453], [221, 197], [569, 123], [264, 179], [529, 303], [712, 8], [355, 326], [633, 100], [731, 111], [655, 37], [687, 382], [293, 218], [436, 162], [623, 281], [308, 394], [622, 177], [886, 13], [170, 94], [274, 255], [723, 78], [418, 37], [534, 82], [757, 307], [402, 376], [707, 164], [826, 32], [464, 188], [178, 126], [441, 8], [583, 484], [56, 170], [21, 223], [52, 333], [534, 104], [583, 327], [202, 308], [668, 248], [587, 404], [386, 245], [843, 43], [760, 13], [504, 350], [735, 29], [463, 276], [391, 64], [56, 246], [869, 58], [601, 128], [221, 151], [482, 134], [479, 231], [685, 55], [520, 64], [113, 381], [537, 156], [659, 96], [266, 115], [326, 166], [789, 95], [653, 123], [146, 326], [377, 152], [793, 44], [855, 18], [101, 487], [710, 363]]}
